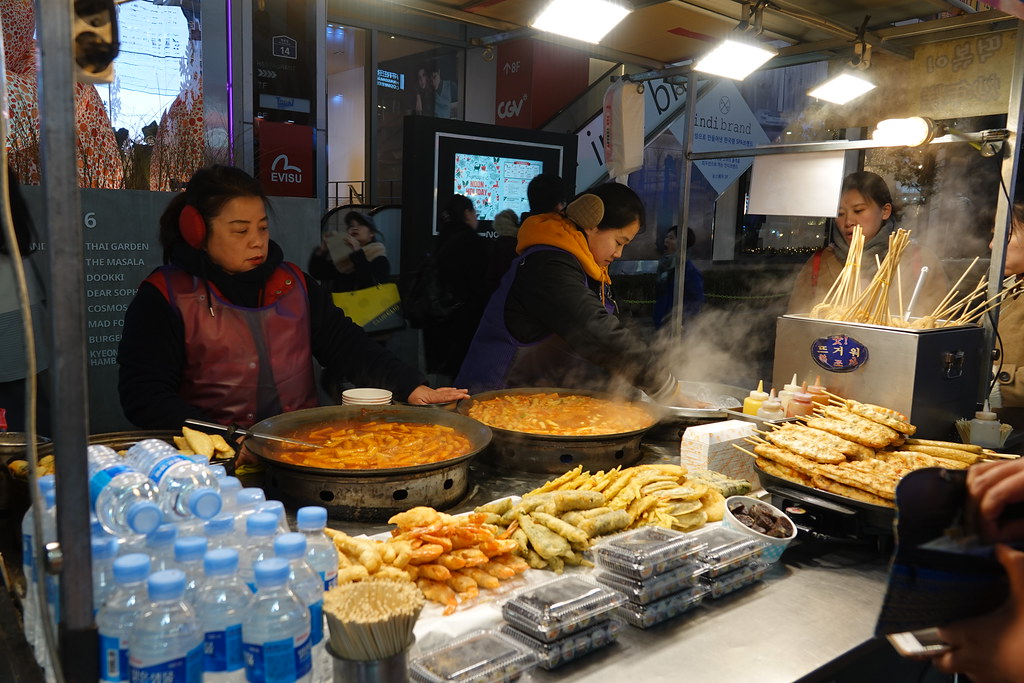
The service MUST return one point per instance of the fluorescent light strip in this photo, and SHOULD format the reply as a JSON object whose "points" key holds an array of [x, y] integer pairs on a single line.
{"points": [[586, 20], [842, 88], [734, 59]]}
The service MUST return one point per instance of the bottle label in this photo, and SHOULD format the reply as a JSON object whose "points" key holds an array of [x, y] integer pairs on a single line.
{"points": [[158, 471], [100, 480], [222, 650], [113, 659], [316, 622], [330, 579], [278, 661], [187, 669]]}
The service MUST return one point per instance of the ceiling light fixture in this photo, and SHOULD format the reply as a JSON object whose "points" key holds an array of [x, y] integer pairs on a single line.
{"points": [[740, 53], [910, 132], [586, 20], [842, 88]]}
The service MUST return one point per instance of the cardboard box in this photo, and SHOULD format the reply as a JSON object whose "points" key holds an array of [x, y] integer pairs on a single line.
{"points": [[710, 447]]}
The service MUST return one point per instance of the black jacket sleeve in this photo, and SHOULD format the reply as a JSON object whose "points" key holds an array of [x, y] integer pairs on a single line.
{"points": [[151, 358], [321, 266], [550, 296], [341, 345]]}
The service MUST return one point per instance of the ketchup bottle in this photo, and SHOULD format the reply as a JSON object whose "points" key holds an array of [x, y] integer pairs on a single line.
{"points": [[817, 392], [800, 404]]}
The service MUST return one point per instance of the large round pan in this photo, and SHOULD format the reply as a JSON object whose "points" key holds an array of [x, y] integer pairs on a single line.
{"points": [[554, 453], [366, 495], [722, 397]]}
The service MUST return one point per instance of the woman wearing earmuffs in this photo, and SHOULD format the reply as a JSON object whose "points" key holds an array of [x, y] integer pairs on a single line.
{"points": [[552, 321], [227, 330]]}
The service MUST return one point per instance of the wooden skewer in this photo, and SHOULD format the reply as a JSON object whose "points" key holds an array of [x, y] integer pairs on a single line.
{"points": [[955, 286], [835, 396], [752, 455]]}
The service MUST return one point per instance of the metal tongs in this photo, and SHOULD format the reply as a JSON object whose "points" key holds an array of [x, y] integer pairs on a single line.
{"points": [[234, 429]]}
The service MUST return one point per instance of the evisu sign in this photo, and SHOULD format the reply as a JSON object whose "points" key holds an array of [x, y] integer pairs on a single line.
{"points": [[285, 159]]}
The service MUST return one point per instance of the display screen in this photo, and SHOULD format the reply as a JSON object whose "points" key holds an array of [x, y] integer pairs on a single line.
{"points": [[494, 183]]}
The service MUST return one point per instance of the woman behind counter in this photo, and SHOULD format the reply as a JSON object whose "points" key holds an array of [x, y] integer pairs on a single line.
{"points": [[363, 260], [227, 330], [866, 201], [552, 320], [1010, 365]]}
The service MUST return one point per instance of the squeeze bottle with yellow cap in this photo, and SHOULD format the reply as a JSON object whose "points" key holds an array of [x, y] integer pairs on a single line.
{"points": [[817, 392], [788, 391], [753, 402], [771, 409], [800, 404]]}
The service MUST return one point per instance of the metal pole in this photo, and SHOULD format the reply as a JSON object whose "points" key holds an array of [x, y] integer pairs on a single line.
{"points": [[981, 137], [684, 207], [1010, 177], [78, 644]]}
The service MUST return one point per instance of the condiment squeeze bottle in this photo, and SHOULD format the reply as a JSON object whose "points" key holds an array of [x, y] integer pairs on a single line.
{"points": [[800, 404], [752, 402], [771, 409], [788, 391]]}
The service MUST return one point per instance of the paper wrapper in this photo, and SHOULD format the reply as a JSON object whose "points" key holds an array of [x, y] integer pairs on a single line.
{"points": [[710, 447]]}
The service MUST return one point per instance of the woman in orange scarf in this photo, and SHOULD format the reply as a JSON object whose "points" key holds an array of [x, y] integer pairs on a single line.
{"points": [[552, 321]]}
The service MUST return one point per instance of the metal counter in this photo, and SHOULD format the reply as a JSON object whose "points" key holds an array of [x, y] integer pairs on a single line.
{"points": [[817, 604]]}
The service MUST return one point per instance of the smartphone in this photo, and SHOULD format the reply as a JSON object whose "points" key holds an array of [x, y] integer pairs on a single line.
{"points": [[923, 643]]}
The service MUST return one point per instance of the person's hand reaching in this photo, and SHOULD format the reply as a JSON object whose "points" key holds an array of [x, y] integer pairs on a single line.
{"points": [[424, 395]]}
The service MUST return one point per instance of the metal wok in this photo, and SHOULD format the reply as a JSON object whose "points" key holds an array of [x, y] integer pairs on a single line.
{"points": [[366, 494], [555, 454]]}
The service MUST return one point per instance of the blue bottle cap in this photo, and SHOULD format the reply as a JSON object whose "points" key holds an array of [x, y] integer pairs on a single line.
{"points": [[272, 572], [220, 561], [261, 524], [205, 503], [144, 516], [311, 518], [104, 547], [229, 484], [220, 525], [291, 545], [189, 548], [50, 496], [162, 537], [47, 482], [166, 585], [131, 568], [250, 495], [274, 507]]}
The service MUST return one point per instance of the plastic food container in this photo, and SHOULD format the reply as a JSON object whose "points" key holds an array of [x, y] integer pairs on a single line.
{"points": [[727, 549], [477, 657], [571, 647], [736, 579], [557, 608], [774, 546], [643, 552], [645, 616], [657, 587]]}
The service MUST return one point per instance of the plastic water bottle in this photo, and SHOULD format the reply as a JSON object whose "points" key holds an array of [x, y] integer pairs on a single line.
{"points": [[124, 499], [187, 489], [310, 588], [160, 547], [220, 532], [116, 617], [188, 557], [229, 488], [51, 610], [246, 502], [275, 638], [218, 471], [166, 643], [276, 508], [320, 551], [104, 550], [260, 529], [28, 563], [223, 604]]}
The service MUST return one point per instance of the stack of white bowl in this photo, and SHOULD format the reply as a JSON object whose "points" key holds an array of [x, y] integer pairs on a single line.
{"points": [[365, 397]]}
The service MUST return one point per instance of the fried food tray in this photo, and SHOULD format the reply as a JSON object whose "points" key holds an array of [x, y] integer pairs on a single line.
{"points": [[828, 513]]}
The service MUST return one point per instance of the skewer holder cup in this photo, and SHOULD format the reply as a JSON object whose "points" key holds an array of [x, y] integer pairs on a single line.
{"points": [[393, 669], [932, 376]]}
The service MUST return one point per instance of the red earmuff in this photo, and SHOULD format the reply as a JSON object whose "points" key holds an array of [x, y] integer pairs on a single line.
{"points": [[192, 226]]}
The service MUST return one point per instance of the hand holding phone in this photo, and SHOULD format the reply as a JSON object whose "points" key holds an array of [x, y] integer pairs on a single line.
{"points": [[923, 643]]}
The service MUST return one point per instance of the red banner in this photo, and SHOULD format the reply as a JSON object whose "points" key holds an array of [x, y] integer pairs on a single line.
{"points": [[527, 97], [285, 160]]}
